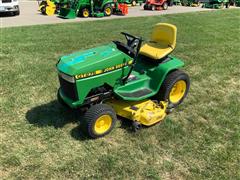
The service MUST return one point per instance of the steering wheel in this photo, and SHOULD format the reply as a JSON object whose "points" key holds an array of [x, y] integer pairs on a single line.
{"points": [[132, 41]]}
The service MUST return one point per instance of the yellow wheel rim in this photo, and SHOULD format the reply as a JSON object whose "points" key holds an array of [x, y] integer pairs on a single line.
{"points": [[50, 11], [177, 92], [103, 124], [108, 11], [85, 13]]}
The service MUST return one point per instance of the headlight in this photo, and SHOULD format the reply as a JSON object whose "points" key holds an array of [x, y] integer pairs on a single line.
{"points": [[68, 78]]}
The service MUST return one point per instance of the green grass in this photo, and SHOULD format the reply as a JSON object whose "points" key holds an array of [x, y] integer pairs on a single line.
{"points": [[199, 140]]}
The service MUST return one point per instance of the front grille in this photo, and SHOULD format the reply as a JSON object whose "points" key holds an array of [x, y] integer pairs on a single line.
{"points": [[69, 89], [6, 1]]}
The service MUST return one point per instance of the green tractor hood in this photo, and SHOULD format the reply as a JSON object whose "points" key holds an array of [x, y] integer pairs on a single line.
{"points": [[92, 60]]}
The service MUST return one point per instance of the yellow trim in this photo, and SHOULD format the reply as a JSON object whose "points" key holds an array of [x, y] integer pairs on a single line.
{"points": [[177, 92], [103, 124], [108, 11]]}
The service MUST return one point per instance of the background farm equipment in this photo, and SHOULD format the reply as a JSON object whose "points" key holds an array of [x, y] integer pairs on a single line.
{"points": [[192, 3], [156, 5], [132, 2], [50, 7], [94, 8], [216, 4]]}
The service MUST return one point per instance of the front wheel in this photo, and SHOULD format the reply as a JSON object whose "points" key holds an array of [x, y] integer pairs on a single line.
{"points": [[99, 120], [108, 10], [174, 88]]}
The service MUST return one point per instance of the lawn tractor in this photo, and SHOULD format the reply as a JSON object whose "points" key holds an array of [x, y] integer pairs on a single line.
{"points": [[192, 3], [156, 5], [139, 82], [216, 4], [177, 2], [94, 8], [132, 2], [50, 7]]}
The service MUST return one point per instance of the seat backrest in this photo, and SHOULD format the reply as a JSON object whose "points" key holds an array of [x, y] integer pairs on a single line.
{"points": [[165, 33]]}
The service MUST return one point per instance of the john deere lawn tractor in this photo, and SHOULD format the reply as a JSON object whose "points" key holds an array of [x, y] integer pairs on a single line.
{"points": [[138, 82], [50, 7], [192, 3], [132, 2], [216, 4], [97, 8]]}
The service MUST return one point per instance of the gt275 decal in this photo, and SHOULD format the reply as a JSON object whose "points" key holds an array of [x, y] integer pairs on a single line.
{"points": [[108, 69]]}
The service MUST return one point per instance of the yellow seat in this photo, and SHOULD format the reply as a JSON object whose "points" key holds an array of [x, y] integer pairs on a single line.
{"points": [[162, 42]]}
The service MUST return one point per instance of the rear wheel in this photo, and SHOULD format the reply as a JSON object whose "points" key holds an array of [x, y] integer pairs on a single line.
{"points": [[165, 6], [108, 10], [99, 120], [174, 88], [85, 13]]}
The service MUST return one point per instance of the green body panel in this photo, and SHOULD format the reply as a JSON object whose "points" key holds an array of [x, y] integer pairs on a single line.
{"points": [[114, 65], [152, 79], [91, 60]]}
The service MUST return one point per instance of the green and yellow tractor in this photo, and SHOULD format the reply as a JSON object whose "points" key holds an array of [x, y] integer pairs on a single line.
{"points": [[51, 7], [216, 4], [192, 3], [140, 82], [94, 8]]}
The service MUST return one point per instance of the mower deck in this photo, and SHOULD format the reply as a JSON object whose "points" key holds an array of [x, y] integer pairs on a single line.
{"points": [[144, 112]]}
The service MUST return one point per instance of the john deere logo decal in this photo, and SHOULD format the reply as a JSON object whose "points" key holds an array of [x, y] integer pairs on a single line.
{"points": [[108, 69]]}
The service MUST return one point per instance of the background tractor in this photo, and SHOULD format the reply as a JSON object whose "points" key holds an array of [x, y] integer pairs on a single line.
{"points": [[138, 82], [216, 4], [50, 7], [156, 5], [192, 3], [133, 2], [97, 8]]}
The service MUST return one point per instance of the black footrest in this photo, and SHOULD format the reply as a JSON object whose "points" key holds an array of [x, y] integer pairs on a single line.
{"points": [[139, 93]]}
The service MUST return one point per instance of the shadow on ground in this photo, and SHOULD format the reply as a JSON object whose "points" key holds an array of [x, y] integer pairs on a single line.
{"points": [[54, 114], [51, 114]]}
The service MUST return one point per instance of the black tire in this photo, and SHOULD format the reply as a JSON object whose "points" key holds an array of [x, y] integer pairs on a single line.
{"points": [[168, 84], [145, 7], [93, 114], [43, 10], [106, 8], [17, 13], [165, 6]]}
